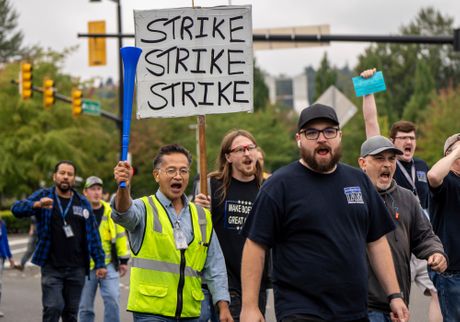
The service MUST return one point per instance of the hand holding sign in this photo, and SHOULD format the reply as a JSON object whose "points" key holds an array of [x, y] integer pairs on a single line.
{"points": [[368, 83]]}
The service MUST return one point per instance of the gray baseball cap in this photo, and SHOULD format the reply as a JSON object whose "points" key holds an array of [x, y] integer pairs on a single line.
{"points": [[91, 181], [451, 140], [376, 145]]}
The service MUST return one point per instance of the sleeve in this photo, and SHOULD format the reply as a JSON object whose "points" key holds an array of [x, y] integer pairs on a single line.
{"points": [[23, 208], [424, 241], [215, 272], [5, 239], [133, 220], [97, 253], [380, 222], [263, 224], [121, 242]]}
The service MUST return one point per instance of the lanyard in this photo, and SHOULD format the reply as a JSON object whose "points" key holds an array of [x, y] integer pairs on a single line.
{"points": [[410, 179], [64, 213]]}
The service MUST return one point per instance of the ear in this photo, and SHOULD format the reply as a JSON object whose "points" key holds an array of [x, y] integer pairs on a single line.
{"points": [[227, 157], [156, 175], [362, 163]]}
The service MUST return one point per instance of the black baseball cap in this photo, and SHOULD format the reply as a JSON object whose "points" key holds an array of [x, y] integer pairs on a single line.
{"points": [[317, 111]]}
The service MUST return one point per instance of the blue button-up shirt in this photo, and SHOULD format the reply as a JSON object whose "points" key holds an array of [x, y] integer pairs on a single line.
{"points": [[214, 272]]}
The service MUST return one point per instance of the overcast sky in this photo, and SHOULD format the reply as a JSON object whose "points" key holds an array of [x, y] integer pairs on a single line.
{"points": [[55, 24]]}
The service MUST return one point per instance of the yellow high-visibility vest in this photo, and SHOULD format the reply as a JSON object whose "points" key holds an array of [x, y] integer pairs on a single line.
{"points": [[166, 281]]}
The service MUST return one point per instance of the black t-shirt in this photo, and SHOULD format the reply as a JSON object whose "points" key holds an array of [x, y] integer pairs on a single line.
{"points": [[422, 189], [445, 217], [68, 251], [228, 218], [98, 213], [318, 226]]}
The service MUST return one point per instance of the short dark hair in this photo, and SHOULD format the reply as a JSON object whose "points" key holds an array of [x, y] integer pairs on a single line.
{"points": [[401, 126], [56, 167], [170, 149]]}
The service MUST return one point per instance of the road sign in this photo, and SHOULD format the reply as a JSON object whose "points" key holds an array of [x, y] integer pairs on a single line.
{"points": [[91, 107], [344, 108]]}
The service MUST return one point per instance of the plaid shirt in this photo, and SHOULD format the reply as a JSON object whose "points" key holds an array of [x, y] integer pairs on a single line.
{"points": [[23, 208]]}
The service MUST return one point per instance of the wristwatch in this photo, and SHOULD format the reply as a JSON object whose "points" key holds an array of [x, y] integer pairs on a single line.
{"points": [[392, 296]]}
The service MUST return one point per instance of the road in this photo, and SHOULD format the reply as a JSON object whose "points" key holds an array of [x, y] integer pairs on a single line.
{"points": [[21, 295]]}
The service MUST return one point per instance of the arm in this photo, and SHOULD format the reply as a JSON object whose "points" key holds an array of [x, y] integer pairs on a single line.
{"points": [[215, 276], [441, 168], [381, 262], [121, 244], [252, 266], [31, 205], [370, 109]]}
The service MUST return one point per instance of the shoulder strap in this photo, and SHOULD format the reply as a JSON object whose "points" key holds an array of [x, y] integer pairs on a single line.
{"points": [[202, 221], [156, 219]]}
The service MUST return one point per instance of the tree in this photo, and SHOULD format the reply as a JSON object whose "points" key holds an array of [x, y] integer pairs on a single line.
{"points": [[10, 39], [399, 63], [325, 77], [260, 90]]}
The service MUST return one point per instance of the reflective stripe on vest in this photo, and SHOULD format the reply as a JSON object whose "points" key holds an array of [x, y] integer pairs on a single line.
{"points": [[156, 221], [202, 221], [162, 266]]}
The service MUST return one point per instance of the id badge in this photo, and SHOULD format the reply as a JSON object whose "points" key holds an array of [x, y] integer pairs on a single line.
{"points": [[179, 237], [68, 231]]}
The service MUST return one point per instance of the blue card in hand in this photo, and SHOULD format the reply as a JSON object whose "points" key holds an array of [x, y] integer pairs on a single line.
{"points": [[366, 86]]}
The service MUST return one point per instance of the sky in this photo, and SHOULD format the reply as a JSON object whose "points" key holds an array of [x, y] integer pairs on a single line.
{"points": [[55, 24]]}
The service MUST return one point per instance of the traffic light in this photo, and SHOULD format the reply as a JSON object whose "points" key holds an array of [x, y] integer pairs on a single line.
{"points": [[25, 81], [96, 46], [77, 102], [48, 92]]}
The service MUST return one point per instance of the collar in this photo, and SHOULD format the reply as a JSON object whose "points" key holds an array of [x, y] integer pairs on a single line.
{"points": [[168, 203]]}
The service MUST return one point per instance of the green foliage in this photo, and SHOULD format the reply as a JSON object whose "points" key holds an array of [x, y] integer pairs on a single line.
{"points": [[260, 90], [325, 77], [13, 224], [441, 120], [400, 62], [10, 39]]}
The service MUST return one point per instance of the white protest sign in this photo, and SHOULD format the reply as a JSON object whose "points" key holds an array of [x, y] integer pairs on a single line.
{"points": [[194, 61]]}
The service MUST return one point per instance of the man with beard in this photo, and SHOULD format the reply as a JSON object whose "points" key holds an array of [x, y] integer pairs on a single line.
{"points": [[411, 173], [319, 217], [233, 188], [67, 237], [172, 242], [413, 233]]}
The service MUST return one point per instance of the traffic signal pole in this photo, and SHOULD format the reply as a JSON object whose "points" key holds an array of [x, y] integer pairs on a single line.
{"points": [[67, 99], [453, 40]]}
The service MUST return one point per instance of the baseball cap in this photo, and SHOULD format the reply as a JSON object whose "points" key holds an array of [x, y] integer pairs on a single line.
{"points": [[376, 145], [91, 181], [317, 111], [451, 141]]}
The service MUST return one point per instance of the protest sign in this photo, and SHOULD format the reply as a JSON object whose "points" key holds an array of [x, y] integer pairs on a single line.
{"points": [[194, 61]]}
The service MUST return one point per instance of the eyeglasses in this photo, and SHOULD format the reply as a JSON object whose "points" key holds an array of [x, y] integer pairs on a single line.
{"points": [[240, 149], [172, 172], [313, 134], [406, 137]]}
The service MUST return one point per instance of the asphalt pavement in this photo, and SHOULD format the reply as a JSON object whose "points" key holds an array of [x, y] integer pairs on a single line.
{"points": [[21, 293]]}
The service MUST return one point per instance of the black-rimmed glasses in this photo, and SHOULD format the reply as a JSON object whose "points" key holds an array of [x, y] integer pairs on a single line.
{"points": [[313, 134]]}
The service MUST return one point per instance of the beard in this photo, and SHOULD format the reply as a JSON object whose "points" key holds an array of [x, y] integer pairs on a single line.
{"points": [[64, 186], [322, 167]]}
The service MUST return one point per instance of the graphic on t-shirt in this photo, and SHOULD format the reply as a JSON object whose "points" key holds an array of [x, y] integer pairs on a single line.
{"points": [[421, 176], [236, 212], [353, 195]]}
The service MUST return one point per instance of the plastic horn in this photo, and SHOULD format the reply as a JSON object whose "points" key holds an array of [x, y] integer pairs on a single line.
{"points": [[130, 57]]}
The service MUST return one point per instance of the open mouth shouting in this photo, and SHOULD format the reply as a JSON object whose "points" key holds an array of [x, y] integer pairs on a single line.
{"points": [[177, 187], [323, 151]]}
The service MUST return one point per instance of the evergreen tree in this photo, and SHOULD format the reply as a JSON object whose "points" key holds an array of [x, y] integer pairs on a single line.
{"points": [[10, 39], [325, 77]]}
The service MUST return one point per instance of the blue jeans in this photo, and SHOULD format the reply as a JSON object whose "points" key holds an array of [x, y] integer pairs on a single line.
{"points": [[376, 316], [110, 292], [61, 290], [140, 317], [448, 286], [208, 311]]}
